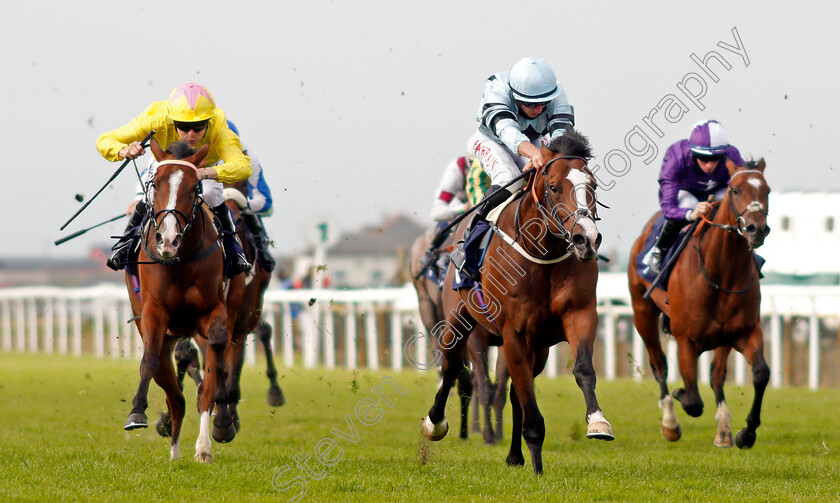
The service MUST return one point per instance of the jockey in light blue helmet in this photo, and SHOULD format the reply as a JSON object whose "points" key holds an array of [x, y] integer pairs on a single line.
{"points": [[259, 205]]}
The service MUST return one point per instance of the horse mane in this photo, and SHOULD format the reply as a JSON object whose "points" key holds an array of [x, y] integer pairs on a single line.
{"points": [[180, 149], [571, 143], [752, 164]]}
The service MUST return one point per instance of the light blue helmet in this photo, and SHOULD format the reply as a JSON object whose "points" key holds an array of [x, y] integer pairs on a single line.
{"points": [[232, 127], [533, 81]]}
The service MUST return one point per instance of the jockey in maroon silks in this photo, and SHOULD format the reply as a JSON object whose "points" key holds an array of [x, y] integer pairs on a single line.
{"points": [[692, 170]]}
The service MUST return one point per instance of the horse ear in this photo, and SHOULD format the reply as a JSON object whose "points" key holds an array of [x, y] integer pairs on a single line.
{"points": [[761, 165], [732, 167], [156, 150], [201, 154]]}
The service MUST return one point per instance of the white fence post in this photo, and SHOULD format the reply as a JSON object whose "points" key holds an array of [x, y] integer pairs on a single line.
{"points": [[609, 334], [62, 321], [775, 346], [6, 306], [814, 347], [370, 337], [288, 336], [396, 339], [32, 316], [350, 336]]}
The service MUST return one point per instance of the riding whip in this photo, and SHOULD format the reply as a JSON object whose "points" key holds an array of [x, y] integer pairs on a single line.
{"points": [[455, 221], [143, 144], [79, 233]]}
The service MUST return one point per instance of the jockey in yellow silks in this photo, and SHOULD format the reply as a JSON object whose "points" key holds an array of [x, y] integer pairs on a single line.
{"points": [[191, 115]]}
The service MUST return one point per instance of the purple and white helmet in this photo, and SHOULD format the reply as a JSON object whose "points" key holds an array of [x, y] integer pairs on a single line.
{"points": [[708, 138]]}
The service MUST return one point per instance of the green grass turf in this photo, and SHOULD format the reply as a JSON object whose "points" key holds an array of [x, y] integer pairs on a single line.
{"points": [[61, 438]]}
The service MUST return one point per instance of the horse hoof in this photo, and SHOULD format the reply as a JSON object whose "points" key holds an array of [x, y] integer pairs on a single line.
{"points": [[745, 439], [599, 428], [434, 432], [203, 457], [136, 420], [164, 425], [723, 439], [225, 434], [513, 460], [600, 431], [672, 434], [275, 397]]}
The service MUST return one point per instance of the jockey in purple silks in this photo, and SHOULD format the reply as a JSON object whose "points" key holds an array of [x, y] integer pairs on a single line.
{"points": [[692, 170]]}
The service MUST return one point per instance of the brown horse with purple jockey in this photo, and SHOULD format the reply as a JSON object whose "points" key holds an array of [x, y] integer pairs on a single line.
{"points": [[537, 289], [180, 291], [711, 303]]}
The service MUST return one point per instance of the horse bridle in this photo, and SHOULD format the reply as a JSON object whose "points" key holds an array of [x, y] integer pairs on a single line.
{"points": [[739, 227], [179, 215], [740, 224], [550, 213]]}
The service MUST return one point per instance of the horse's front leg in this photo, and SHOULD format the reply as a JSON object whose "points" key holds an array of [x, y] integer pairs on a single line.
{"points": [[723, 437], [689, 396], [646, 320], [752, 347], [581, 329], [521, 364], [153, 327]]}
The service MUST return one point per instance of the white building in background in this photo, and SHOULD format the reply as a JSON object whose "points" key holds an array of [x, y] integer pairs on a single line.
{"points": [[804, 235], [372, 257]]}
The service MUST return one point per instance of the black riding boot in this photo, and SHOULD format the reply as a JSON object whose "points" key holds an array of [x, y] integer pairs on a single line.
{"points": [[667, 236], [122, 248], [261, 241], [233, 250], [493, 197]]}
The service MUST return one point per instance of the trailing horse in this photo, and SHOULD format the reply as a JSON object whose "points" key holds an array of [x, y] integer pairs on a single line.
{"points": [[537, 289], [178, 291], [711, 303]]}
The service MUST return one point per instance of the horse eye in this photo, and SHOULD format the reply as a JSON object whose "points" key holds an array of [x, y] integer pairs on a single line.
{"points": [[553, 188]]}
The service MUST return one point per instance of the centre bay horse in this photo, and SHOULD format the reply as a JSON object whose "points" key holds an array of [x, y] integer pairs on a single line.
{"points": [[248, 319], [537, 289], [490, 395], [712, 303], [181, 291]]}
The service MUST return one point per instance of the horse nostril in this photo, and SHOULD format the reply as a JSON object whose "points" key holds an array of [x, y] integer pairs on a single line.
{"points": [[751, 229], [158, 237], [579, 240], [598, 240]]}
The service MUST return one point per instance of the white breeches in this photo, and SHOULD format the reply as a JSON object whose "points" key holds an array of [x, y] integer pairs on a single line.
{"points": [[500, 164]]}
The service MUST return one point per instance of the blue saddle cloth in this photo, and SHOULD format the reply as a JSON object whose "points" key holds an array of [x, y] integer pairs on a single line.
{"points": [[474, 248], [642, 257], [642, 268]]}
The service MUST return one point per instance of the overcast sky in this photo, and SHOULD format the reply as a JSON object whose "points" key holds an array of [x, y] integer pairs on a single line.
{"points": [[354, 108]]}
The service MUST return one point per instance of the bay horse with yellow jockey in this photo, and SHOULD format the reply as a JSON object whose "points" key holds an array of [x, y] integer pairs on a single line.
{"points": [[537, 289], [178, 291], [711, 303]]}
